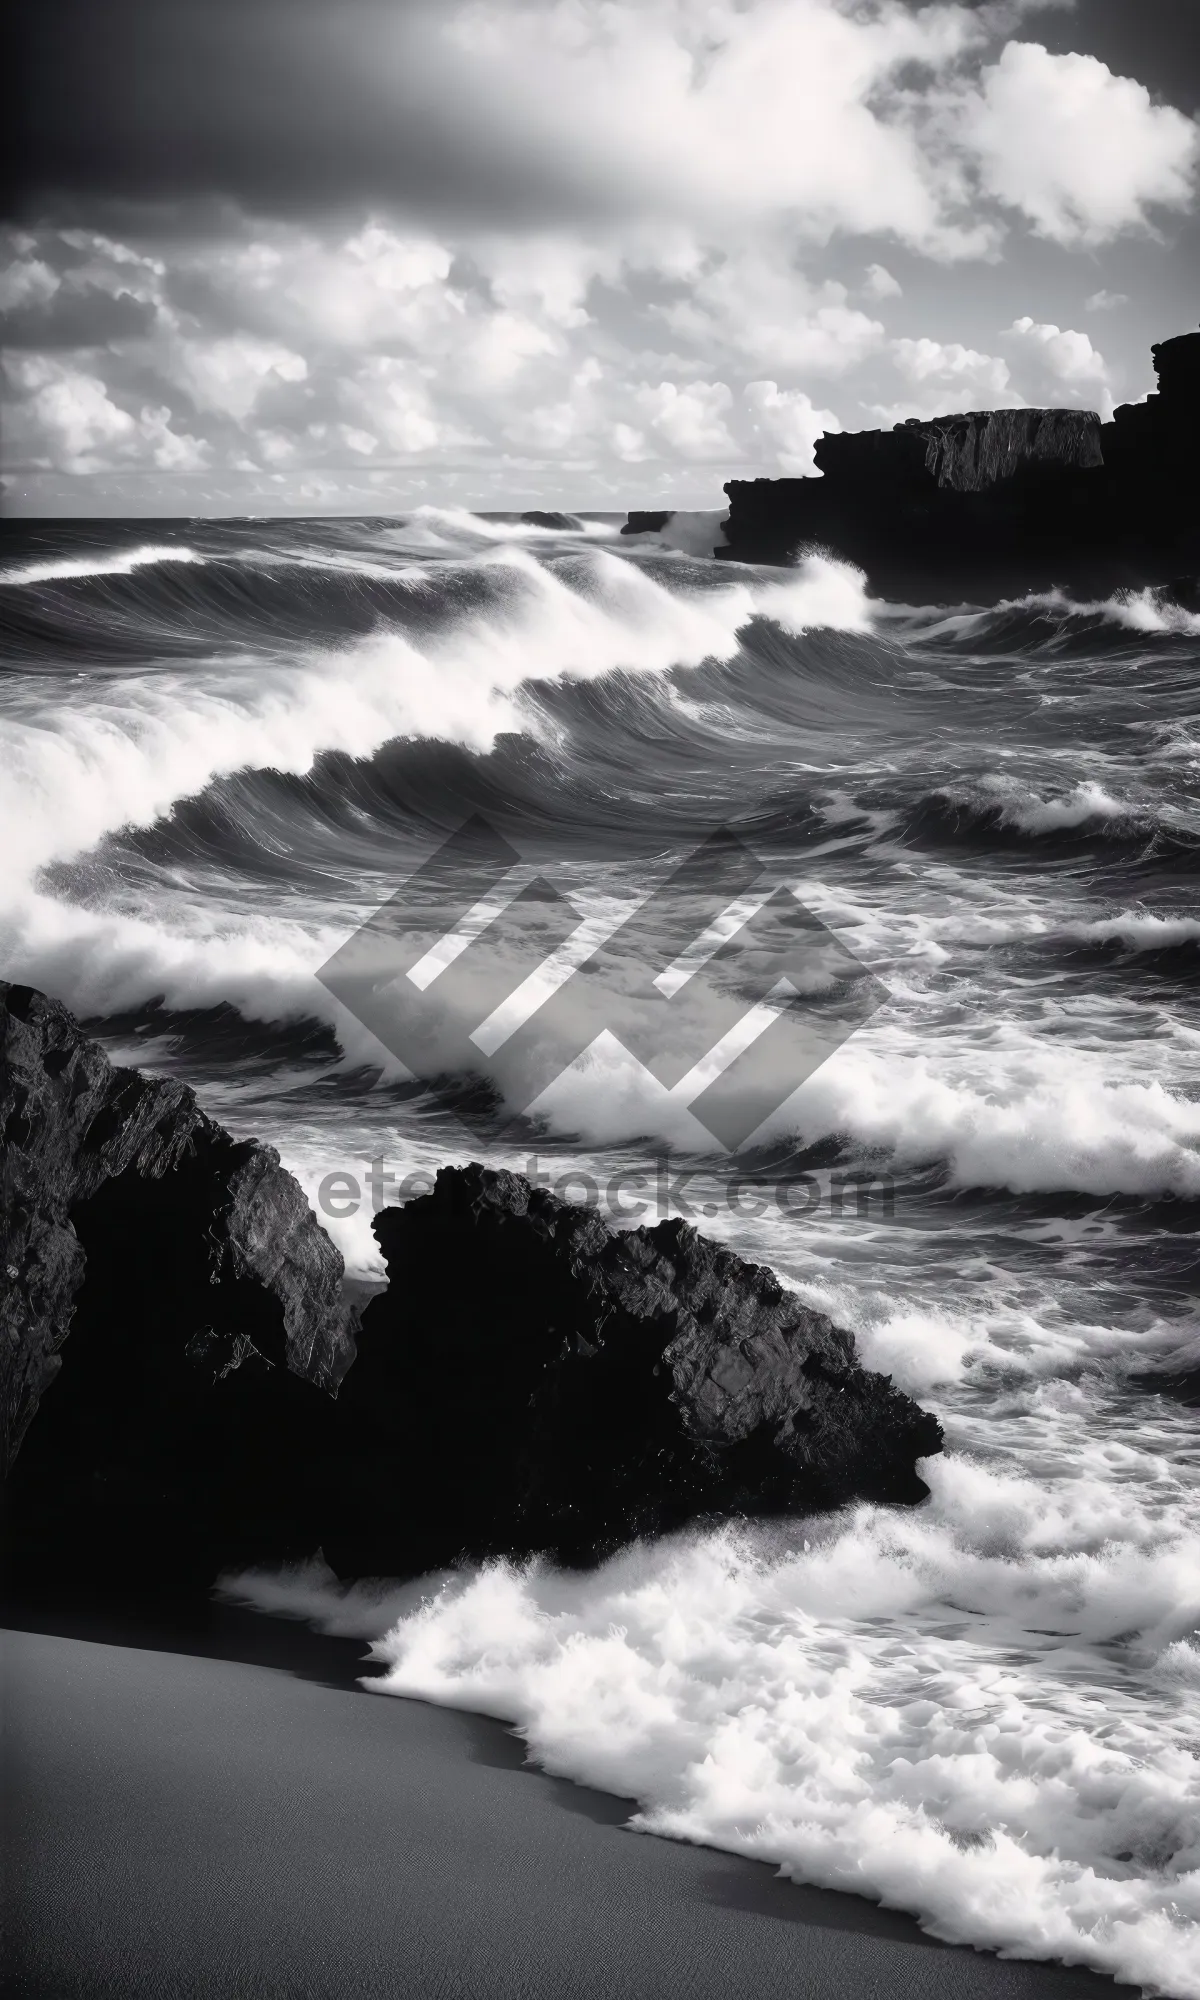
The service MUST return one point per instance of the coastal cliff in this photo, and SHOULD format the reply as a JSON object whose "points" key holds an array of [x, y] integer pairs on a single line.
{"points": [[999, 502], [181, 1383]]}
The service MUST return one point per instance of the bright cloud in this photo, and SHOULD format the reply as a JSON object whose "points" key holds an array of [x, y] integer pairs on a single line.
{"points": [[658, 233], [789, 424], [691, 419], [1081, 152], [1057, 358]]}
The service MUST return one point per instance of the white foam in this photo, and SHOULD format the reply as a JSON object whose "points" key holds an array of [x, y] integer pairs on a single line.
{"points": [[1148, 611], [689, 532], [448, 525], [120, 562], [1085, 801], [122, 754], [978, 1711], [1032, 1118], [1139, 930]]}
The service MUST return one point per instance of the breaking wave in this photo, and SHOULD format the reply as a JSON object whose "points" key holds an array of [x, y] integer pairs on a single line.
{"points": [[226, 746], [980, 1713]]}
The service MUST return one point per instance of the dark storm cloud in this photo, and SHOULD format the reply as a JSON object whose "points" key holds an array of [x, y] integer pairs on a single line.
{"points": [[282, 106], [77, 319]]}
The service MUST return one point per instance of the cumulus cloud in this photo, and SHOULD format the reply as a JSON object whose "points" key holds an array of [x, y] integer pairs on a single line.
{"points": [[1103, 301], [513, 237], [65, 417], [942, 376], [759, 307], [1082, 153], [789, 425], [691, 419], [229, 376], [1043, 365], [880, 284], [1062, 360]]}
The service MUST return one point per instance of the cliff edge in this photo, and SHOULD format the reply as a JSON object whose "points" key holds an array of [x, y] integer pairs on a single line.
{"points": [[998, 503]]}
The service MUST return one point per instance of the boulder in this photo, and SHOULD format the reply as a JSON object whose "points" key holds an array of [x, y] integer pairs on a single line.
{"points": [[200, 1303], [533, 1380], [177, 1358]]}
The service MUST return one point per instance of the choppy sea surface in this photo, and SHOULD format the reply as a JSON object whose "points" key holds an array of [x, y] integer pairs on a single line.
{"points": [[225, 744]]}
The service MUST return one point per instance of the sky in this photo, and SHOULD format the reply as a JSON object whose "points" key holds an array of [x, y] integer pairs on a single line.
{"points": [[347, 256]]}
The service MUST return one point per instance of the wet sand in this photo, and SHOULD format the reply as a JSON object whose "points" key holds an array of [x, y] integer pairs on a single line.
{"points": [[212, 1807]]}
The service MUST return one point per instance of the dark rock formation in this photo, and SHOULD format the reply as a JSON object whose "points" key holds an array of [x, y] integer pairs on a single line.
{"points": [[532, 1380], [647, 524], [534, 518], [195, 1286], [1000, 502], [173, 1317]]}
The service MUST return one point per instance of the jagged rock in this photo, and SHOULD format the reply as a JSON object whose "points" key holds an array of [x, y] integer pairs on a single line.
{"points": [[1000, 502], [532, 1380], [190, 1282]]}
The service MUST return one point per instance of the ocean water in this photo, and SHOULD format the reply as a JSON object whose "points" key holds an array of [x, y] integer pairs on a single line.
{"points": [[225, 744]]}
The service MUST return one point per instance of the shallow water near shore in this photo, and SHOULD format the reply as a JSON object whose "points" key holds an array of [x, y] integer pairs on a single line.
{"points": [[226, 746]]}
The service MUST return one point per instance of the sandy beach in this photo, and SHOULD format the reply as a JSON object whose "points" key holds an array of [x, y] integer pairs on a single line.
{"points": [[214, 1807]]}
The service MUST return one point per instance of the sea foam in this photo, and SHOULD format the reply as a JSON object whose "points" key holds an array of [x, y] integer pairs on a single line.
{"points": [[979, 1712]]}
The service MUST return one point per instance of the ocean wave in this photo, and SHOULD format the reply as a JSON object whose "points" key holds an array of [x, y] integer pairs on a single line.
{"points": [[689, 532], [977, 1712], [454, 524], [1139, 930], [1029, 1115], [1085, 803], [1151, 613], [1036, 1118], [115, 562], [124, 756], [994, 812]]}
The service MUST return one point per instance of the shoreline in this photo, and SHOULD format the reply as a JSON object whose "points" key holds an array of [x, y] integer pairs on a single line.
{"points": [[203, 1801]]}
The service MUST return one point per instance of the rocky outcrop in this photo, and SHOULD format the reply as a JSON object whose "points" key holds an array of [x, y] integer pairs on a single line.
{"points": [[646, 523], [179, 1270], [173, 1322], [532, 1380], [999, 502], [534, 517]]}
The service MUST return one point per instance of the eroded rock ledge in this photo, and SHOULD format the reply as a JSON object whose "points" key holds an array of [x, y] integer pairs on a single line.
{"points": [[174, 1332], [997, 503]]}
